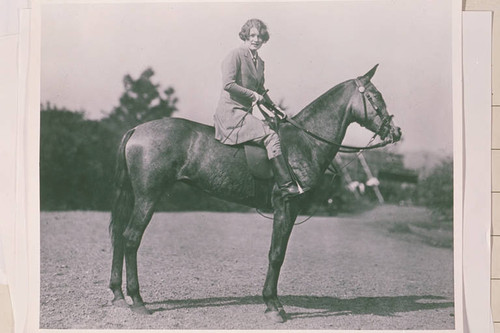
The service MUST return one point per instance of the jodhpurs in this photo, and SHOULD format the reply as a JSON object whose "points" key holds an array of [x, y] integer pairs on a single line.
{"points": [[271, 141]]}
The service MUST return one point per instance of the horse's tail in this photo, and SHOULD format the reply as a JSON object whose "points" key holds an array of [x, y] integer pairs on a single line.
{"points": [[123, 203]]}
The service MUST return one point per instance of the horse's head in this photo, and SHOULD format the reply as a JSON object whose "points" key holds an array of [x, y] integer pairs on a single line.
{"points": [[369, 110]]}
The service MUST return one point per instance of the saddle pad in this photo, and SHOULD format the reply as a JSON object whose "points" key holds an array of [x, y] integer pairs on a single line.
{"points": [[257, 161]]}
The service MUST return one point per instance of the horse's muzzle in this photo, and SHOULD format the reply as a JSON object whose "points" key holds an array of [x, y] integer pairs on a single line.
{"points": [[394, 135]]}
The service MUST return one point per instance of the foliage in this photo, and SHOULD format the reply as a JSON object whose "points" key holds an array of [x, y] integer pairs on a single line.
{"points": [[77, 155], [436, 190], [75, 164], [142, 101]]}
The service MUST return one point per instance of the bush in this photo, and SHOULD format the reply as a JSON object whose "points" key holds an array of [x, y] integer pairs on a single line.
{"points": [[75, 161], [436, 190]]}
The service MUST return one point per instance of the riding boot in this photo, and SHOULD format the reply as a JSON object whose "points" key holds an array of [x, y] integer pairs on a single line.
{"points": [[283, 178]]}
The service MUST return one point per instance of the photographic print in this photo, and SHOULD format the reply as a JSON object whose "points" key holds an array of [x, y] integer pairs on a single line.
{"points": [[241, 165]]}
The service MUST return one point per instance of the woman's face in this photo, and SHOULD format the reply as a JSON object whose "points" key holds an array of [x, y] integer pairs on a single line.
{"points": [[254, 41]]}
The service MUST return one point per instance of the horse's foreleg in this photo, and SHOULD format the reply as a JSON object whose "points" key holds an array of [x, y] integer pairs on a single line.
{"points": [[284, 218], [143, 211]]}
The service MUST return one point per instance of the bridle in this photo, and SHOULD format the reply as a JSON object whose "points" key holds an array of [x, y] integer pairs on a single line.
{"points": [[383, 130]]}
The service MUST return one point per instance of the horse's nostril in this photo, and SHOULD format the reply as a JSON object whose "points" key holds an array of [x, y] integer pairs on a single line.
{"points": [[397, 134]]}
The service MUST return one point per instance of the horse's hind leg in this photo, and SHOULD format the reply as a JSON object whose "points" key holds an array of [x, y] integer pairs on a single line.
{"points": [[285, 213], [116, 272], [120, 216], [142, 213]]}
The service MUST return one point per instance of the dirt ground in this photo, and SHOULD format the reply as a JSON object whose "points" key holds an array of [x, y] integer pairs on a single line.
{"points": [[206, 271]]}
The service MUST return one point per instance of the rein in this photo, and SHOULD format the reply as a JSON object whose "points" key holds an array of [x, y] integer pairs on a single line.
{"points": [[343, 148], [351, 149]]}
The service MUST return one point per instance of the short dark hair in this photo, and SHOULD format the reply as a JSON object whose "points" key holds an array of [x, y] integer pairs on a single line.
{"points": [[254, 23]]}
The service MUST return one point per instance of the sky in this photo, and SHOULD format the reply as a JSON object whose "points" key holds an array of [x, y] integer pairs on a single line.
{"points": [[87, 49]]}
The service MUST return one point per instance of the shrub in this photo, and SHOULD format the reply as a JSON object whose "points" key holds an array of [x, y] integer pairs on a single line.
{"points": [[436, 190]]}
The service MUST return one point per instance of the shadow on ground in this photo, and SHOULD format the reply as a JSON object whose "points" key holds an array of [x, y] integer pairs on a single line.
{"points": [[325, 306]]}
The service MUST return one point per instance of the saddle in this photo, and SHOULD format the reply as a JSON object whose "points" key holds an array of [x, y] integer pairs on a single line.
{"points": [[257, 161]]}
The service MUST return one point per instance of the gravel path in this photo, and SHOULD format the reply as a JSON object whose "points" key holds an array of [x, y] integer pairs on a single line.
{"points": [[206, 271]]}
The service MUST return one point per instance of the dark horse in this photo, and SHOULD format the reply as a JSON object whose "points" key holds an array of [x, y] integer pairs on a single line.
{"points": [[155, 155]]}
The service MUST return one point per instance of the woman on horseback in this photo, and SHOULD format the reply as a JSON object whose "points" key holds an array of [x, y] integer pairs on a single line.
{"points": [[243, 87]]}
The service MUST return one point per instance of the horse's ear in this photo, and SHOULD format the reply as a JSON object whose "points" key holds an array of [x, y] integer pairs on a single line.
{"points": [[371, 72]]}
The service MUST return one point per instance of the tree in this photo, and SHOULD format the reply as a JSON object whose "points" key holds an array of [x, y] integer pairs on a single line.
{"points": [[75, 164], [142, 101], [77, 155], [436, 190]]}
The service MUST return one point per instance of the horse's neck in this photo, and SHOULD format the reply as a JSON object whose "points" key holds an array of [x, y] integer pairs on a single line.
{"points": [[328, 117]]}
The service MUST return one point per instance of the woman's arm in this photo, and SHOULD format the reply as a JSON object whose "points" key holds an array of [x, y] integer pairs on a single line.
{"points": [[231, 66]]}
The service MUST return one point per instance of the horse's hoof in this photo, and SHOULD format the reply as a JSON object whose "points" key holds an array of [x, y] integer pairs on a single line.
{"points": [[276, 316], [119, 302], [140, 309]]}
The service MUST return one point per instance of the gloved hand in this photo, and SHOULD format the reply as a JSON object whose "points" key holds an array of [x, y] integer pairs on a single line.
{"points": [[257, 98]]}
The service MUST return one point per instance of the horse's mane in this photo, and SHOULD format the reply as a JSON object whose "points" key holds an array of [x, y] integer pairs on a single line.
{"points": [[333, 92]]}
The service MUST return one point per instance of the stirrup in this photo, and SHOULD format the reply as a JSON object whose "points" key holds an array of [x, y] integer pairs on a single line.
{"points": [[291, 190]]}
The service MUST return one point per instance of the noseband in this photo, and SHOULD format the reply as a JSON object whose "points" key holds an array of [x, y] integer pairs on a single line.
{"points": [[384, 128]]}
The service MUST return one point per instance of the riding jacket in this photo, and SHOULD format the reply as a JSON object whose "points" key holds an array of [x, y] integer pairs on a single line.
{"points": [[233, 121]]}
